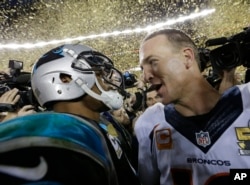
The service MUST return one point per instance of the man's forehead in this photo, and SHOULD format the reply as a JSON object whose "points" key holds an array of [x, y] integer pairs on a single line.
{"points": [[148, 46], [144, 55]]}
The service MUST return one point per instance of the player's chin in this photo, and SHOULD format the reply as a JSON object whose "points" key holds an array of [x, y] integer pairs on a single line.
{"points": [[165, 99]]}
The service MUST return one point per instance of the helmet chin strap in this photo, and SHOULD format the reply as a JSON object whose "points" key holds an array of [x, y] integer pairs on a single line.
{"points": [[110, 98]]}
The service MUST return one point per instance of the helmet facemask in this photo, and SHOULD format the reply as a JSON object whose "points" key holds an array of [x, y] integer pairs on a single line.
{"points": [[102, 66]]}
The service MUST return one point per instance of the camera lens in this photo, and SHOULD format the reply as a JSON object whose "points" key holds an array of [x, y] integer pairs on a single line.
{"points": [[226, 57]]}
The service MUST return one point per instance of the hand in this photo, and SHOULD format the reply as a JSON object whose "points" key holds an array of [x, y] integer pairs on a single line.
{"points": [[10, 97], [228, 80], [140, 84], [26, 110], [228, 73]]}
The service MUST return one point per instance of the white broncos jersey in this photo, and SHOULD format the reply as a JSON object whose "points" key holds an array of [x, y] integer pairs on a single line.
{"points": [[198, 150]]}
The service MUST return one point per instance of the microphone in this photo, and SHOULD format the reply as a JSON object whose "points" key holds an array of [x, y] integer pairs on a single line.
{"points": [[217, 41]]}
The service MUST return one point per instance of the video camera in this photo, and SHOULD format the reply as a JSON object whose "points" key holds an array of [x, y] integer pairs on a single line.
{"points": [[21, 81], [129, 79], [232, 52]]}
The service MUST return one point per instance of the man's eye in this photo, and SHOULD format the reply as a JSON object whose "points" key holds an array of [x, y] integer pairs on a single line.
{"points": [[154, 65]]}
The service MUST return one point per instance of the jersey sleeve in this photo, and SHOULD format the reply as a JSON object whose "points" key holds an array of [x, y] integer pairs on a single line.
{"points": [[147, 169]]}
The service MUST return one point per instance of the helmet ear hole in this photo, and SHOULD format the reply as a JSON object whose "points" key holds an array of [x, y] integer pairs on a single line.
{"points": [[65, 78]]}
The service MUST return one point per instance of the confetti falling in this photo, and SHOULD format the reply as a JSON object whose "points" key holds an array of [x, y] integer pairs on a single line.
{"points": [[31, 21]]}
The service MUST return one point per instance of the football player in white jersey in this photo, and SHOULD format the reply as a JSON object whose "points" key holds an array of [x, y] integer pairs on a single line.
{"points": [[200, 134]]}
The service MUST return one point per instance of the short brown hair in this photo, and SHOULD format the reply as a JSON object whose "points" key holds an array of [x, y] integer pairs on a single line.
{"points": [[177, 38]]}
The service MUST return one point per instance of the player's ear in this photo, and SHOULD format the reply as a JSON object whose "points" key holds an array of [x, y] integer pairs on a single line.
{"points": [[188, 54], [65, 78]]}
